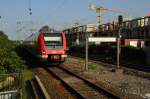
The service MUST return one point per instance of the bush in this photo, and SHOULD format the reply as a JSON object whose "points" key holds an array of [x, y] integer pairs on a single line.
{"points": [[128, 53], [10, 62], [133, 54]]}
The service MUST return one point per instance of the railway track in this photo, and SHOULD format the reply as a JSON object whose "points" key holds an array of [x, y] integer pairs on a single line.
{"points": [[38, 88], [82, 89], [85, 89]]}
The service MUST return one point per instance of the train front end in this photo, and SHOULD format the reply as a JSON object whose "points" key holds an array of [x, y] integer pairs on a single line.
{"points": [[52, 47]]}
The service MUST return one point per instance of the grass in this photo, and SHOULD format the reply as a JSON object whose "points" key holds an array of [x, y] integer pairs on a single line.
{"points": [[92, 66], [27, 74]]}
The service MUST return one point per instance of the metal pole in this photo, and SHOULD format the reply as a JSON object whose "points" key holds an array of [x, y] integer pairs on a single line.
{"points": [[76, 26], [86, 51], [0, 17], [118, 50], [100, 17], [120, 20]]}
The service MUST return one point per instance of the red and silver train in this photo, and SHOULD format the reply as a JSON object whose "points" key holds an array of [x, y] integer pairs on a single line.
{"points": [[47, 47]]}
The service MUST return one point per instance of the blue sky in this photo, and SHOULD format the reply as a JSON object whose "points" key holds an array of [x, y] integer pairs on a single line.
{"points": [[60, 13]]}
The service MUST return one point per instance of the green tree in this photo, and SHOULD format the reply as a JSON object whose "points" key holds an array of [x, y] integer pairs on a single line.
{"points": [[46, 28], [9, 60]]}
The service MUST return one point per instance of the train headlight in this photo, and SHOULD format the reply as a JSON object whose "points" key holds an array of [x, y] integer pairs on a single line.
{"points": [[43, 52], [63, 56]]}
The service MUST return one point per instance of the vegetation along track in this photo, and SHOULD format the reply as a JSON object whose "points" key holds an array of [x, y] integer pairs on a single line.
{"points": [[85, 89], [112, 64]]}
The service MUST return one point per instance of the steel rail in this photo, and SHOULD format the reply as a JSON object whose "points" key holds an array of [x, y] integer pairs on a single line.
{"points": [[101, 85], [90, 84], [45, 93], [38, 88]]}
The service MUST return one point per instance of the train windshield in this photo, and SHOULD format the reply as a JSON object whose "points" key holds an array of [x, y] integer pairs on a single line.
{"points": [[53, 40]]}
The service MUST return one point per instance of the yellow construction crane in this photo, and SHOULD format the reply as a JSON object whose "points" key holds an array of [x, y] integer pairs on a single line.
{"points": [[100, 10]]}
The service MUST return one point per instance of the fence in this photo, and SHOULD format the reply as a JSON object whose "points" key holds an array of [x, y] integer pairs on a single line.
{"points": [[11, 86]]}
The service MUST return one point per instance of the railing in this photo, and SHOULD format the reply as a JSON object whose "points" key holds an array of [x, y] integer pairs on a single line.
{"points": [[10, 95], [11, 86]]}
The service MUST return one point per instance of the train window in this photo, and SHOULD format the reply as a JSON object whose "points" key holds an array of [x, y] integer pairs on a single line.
{"points": [[53, 40]]}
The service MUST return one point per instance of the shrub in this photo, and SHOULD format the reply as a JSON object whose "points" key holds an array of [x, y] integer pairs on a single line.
{"points": [[9, 60]]}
